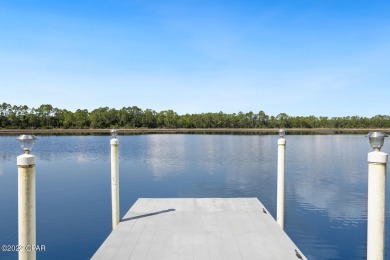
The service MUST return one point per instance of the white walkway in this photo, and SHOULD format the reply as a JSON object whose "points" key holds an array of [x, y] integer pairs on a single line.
{"points": [[233, 228]]}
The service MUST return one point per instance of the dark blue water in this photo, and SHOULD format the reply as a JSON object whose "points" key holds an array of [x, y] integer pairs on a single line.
{"points": [[326, 186]]}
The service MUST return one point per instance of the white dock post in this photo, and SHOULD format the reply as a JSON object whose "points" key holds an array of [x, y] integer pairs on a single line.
{"points": [[114, 178], [376, 197], [26, 200], [280, 188]]}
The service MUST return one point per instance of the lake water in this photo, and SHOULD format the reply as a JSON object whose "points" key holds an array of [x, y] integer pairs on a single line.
{"points": [[326, 186]]}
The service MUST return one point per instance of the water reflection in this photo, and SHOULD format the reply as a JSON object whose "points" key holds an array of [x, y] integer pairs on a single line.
{"points": [[166, 155], [84, 148], [326, 185], [332, 175]]}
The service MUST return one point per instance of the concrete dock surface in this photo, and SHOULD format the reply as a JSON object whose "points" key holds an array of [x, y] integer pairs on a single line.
{"points": [[198, 228]]}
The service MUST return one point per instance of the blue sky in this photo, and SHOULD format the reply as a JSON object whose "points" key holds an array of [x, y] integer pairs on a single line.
{"points": [[322, 58]]}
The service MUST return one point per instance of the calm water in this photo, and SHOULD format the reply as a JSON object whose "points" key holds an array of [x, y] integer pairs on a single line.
{"points": [[326, 186]]}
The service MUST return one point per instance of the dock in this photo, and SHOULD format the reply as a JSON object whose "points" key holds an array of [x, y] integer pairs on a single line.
{"points": [[198, 228]]}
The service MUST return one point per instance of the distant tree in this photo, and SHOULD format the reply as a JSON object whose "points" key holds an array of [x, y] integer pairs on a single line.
{"points": [[149, 118], [82, 118], [47, 116], [167, 119], [282, 120], [99, 118]]}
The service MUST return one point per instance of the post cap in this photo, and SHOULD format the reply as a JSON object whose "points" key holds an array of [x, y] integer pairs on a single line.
{"points": [[377, 157], [25, 160]]}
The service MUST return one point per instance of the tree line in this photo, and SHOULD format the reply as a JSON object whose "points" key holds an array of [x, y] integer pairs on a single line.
{"points": [[47, 117]]}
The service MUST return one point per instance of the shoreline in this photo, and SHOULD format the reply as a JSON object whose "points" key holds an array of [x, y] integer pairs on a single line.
{"points": [[131, 131]]}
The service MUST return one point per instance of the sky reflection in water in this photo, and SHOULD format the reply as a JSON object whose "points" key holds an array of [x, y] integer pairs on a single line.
{"points": [[326, 185]]}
